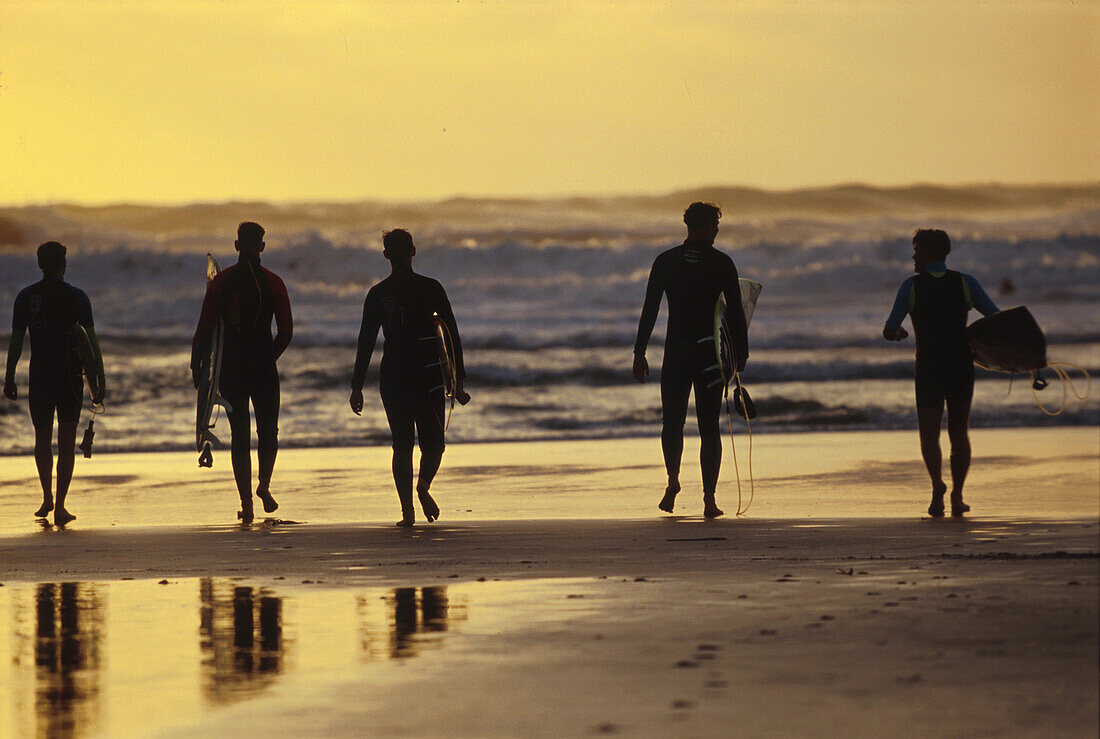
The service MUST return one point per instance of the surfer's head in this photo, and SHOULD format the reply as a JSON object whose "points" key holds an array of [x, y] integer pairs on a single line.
{"points": [[929, 245], [250, 238], [397, 246], [702, 221], [51, 258]]}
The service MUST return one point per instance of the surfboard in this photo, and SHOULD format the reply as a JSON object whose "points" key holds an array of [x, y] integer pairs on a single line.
{"points": [[439, 365], [723, 341], [1008, 341], [723, 344], [82, 345], [210, 367], [444, 362]]}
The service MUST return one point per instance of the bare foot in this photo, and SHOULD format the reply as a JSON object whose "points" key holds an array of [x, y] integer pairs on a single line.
{"points": [[431, 510], [62, 517], [407, 521], [668, 502], [246, 514], [710, 508], [935, 508], [264, 494], [47, 506], [958, 507]]}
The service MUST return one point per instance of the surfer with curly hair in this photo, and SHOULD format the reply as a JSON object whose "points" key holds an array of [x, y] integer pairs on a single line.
{"points": [[937, 301], [692, 276], [246, 297], [405, 306], [49, 309]]}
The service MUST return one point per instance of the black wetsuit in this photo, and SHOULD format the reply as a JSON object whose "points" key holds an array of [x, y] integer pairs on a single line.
{"points": [[246, 297], [945, 366], [404, 305], [49, 308], [692, 276]]}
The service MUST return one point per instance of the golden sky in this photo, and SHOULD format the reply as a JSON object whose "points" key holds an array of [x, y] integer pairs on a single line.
{"points": [[420, 99]]}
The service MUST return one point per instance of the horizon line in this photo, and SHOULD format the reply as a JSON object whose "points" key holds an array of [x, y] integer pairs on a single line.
{"points": [[611, 195]]}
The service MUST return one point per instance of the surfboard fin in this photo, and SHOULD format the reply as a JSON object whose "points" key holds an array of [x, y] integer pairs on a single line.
{"points": [[206, 459], [742, 403]]}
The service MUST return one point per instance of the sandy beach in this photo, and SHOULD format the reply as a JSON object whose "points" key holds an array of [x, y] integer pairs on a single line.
{"points": [[552, 598]]}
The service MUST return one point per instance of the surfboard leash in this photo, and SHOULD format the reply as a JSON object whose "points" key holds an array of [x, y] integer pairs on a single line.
{"points": [[733, 445], [752, 480], [1068, 385]]}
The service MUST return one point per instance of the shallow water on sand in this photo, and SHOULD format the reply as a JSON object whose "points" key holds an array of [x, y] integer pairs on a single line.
{"points": [[1024, 473], [139, 657]]}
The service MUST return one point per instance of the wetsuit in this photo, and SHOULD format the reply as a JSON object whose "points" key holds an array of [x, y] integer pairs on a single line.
{"points": [[246, 297], [403, 306], [49, 309], [692, 276], [937, 301]]}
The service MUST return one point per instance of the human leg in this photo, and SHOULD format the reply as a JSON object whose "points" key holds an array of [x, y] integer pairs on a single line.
{"points": [[430, 436], [69, 405], [958, 431], [708, 403], [402, 425], [265, 400], [240, 453], [929, 421], [675, 390], [66, 456], [43, 459]]}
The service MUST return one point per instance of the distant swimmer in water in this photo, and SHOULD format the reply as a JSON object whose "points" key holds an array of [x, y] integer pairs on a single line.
{"points": [[937, 300], [406, 305], [692, 276], [49, 309], [245, 297]]}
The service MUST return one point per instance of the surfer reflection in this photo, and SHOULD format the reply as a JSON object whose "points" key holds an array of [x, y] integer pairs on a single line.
{"points": [[69, 634], [242, 638], [50, 310], [937, 300], [245, 298], [692, 276], [414, 314], [411, 617]]}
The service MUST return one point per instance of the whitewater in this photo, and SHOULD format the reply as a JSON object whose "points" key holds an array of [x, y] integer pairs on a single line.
{"points": [[547, 294]]}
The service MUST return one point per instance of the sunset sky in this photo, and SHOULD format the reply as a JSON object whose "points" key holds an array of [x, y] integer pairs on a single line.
{"points": [[421, 99]]}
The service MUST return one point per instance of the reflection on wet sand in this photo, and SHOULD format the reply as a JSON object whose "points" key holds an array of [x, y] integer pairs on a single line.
{"points": [[69, 634], [241, 635], [63, 666], [411, 617]]}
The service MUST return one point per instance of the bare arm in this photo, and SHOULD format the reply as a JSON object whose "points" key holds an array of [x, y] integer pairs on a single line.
{"points": [[15, 350]]}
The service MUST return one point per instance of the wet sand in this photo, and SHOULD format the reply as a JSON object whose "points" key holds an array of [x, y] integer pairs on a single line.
{"points": [[833, 608]]}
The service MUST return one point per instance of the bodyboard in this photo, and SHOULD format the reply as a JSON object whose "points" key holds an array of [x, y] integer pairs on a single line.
{"points": [[82, 346], [210, 365], [1008, 341]]}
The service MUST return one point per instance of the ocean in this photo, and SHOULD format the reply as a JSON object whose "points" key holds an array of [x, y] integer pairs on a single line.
{"points": [[547, 294]]}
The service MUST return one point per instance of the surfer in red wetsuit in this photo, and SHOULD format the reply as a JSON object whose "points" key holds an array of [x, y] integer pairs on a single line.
{"points": [[692, 276], [404, 305], [937, 300], [246, 297], [48, 309]]}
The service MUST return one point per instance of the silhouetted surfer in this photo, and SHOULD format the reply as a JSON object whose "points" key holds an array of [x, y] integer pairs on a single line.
{"points": [[49, 309], [404, 306], [692, 276], [937, 300], [246, 297]]}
